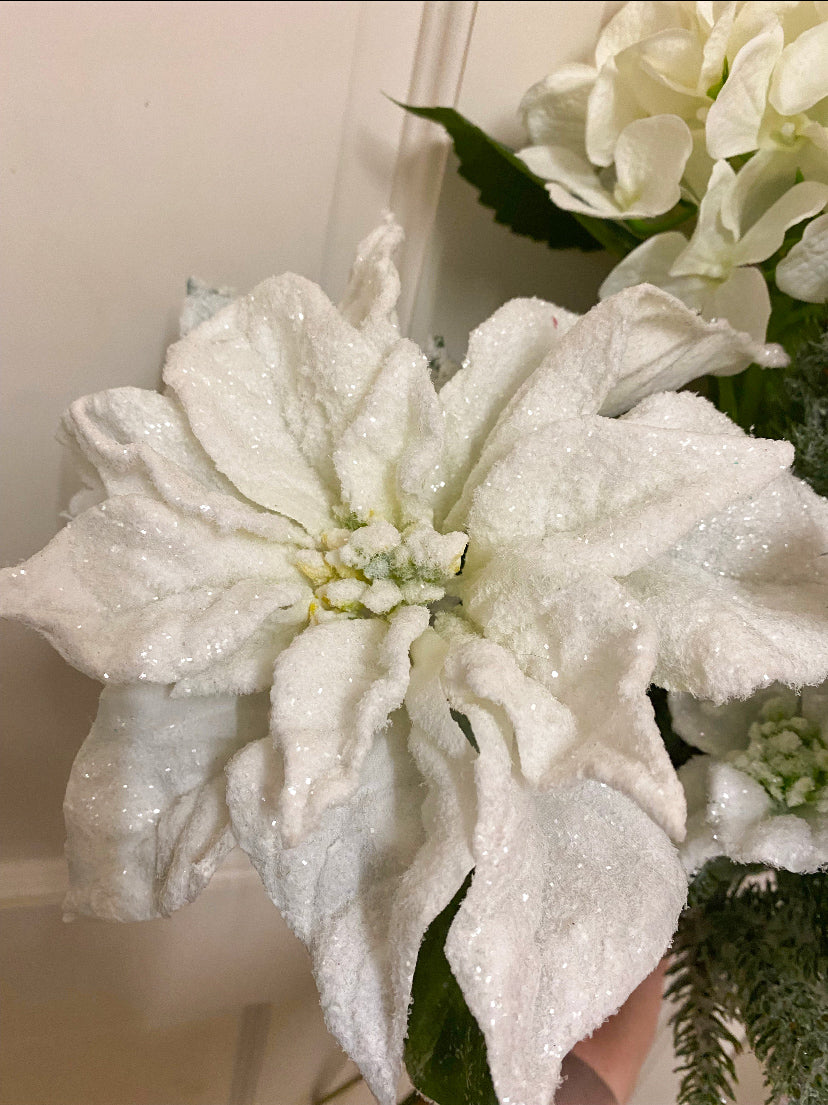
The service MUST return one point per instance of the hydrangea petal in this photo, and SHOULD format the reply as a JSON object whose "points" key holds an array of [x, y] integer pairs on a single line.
{"points": [[386, 456], [803, 273], [632, 23], [800, 77], [768, 232], [554, 110], [732, 815], [742, 601], [139, 443], [575, 897], [649, 160], [735, 117], [133, 590], [336, 890], [333, 690], [146, 819]]}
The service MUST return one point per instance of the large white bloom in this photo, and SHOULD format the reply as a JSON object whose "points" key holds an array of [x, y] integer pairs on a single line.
{"points": [[742, 221], [673, 88], [285, 518], [760, 795]]}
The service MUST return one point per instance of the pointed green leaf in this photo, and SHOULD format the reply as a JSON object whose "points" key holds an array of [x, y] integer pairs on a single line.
{"points": [[445, 1052], [516, 195]]}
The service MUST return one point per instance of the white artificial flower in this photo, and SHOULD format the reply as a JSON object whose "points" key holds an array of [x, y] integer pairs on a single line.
{"points": [[742, 221], [675, 87], [760, 795], [803, 273], [295, 516]]}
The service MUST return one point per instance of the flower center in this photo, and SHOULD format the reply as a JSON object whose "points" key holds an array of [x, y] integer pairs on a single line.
{"points": [[372, 569], [788, 756]]}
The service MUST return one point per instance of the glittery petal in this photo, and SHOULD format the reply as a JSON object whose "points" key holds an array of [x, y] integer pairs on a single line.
{"points": [[722, 729], [503, 352], [370, 299], [333, 690], [386, 456], [637, 342], [609, 495], [270, 383], [741, 600], [139, 443], [145, 818], [575, 896], [133, 590], [588, 643], [336, 889], [732, 815]]}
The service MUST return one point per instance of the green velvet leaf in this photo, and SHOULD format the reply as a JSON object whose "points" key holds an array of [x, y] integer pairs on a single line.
{"points": [[445, 1052], [516, 195]]}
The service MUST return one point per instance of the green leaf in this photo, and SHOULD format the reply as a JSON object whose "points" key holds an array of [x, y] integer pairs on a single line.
{"points": [[516, 195], [445, 1052]]}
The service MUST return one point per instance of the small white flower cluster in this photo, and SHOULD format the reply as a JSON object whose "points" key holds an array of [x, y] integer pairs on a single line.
{"points": [[724, 106]]}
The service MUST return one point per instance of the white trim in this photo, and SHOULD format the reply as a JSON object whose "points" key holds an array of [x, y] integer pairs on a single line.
{"points": [[436, 79], [33, 883]]}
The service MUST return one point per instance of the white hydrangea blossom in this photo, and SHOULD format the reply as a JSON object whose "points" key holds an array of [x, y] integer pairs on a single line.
{"points": [[301, 563], [673, 88], [742, 221], [760, 794]]}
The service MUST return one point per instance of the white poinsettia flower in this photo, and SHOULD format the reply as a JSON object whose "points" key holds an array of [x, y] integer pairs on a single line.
{"points": [[742, 221], [290, 516], [760, 794]]}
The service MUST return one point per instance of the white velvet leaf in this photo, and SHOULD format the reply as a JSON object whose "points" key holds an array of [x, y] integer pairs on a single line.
{"points": [[139, 443], [590, 645], [336, 889], [743, 600], [333, 690], [269, 385], [132, 590], [146, 821], [386, 456], [575, 897], [503, 353]]}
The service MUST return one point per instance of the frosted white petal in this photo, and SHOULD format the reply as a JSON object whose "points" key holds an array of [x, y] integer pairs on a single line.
{"points": [[575, 896], [591, 646], [734, 119], [503, 352], [800, 77], [732, 815], [722, 729], [333, 690], [139, 443], [336, 890], [370, 299], [803, 273], [386, 456], [146, 819], [611, 494], [132, 590], [269, 385], [743, 600]]}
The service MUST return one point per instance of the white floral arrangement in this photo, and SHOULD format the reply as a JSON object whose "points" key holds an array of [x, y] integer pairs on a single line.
{"points": [[396, 642]]}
